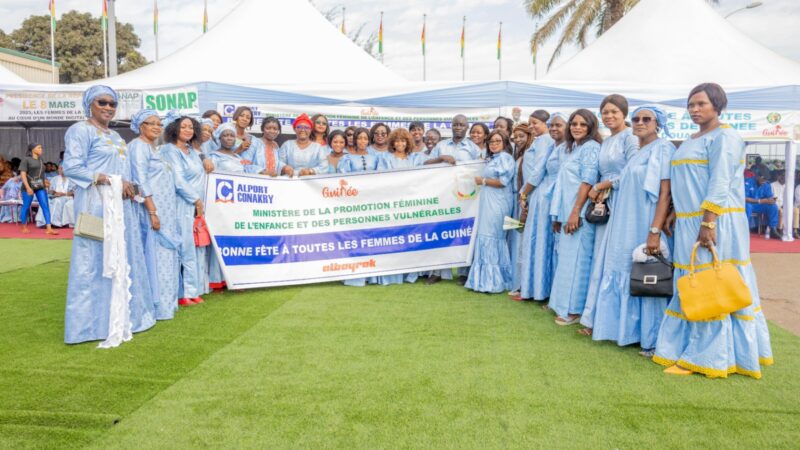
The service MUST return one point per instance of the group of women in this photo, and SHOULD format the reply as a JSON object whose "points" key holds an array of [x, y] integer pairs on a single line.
{"points": [[545, 173]]}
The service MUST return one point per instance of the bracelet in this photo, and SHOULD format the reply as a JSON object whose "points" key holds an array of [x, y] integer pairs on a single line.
{"points": [[152, 213]]}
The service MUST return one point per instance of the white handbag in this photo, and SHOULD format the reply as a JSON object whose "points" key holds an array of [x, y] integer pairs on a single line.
{"points": [[88, 225]]}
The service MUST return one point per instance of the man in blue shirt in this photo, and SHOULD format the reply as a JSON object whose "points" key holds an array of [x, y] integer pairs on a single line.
{"points": [[759, 199]]}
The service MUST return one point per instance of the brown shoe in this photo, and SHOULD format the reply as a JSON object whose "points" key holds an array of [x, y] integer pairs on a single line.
{"points": [[433, 279]]}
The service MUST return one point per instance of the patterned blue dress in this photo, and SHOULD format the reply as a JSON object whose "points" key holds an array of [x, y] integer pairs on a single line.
{"points": [[491, 261], [534, 171], [614, 155], [616, 315], [571, 279], [708, 174], [156, 179], [312, 157], [90, 150], [191, 177], [514, 238], [222, 163], [351, 162]]}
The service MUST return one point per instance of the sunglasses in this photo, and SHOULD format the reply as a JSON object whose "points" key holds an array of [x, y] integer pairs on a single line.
{"points": [[380, 133], [645, 120], [320, 122], [349, 134], [496, 141], [153, 124], [105, 103], [579, 124], [303, 127]]}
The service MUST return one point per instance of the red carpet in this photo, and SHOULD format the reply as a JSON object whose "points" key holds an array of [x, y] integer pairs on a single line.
{"points": [[12, 231], [760, 245], [757, 242]]}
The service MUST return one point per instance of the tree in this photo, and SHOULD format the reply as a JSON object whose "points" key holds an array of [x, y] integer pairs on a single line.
{"points": [[579, 17], [366, 41], [79, 45], [5, 40]]}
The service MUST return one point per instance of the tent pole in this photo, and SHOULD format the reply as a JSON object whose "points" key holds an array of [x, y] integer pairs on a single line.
{"points": [[788, 191]]}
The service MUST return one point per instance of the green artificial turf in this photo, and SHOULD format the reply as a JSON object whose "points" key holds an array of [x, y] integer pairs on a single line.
{"points": [[20, 253], [375, 367]]}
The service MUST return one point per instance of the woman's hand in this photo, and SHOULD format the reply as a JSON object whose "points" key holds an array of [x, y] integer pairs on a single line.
{"points": [[288, 171], [245, 144], [523, 216], [594, 194], [669, 224], [305, 172], [272, 174], [448, 159], [556, 227], [573, 223], [478, 180], [102, 179], [653, 243], [198, 209], [208, 166], [707, 237], [127, 190], [29, 191], [154, 222]]}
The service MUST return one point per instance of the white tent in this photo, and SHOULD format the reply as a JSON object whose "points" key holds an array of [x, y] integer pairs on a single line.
{"points": [[661, 49], [264, 42]]}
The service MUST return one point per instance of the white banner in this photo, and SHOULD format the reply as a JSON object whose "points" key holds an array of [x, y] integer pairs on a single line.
{"points": [[341, 117], [282, 231], [36, 106]]}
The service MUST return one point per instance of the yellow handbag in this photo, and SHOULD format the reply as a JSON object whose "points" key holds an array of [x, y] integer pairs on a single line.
{"points": [[714, 292]]}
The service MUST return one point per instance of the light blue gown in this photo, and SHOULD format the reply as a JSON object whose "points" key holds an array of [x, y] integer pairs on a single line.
{"points": [[89, 151], [614, 155], [208, 146], [616, 315], [191, 178], [350, 163], [12, 190], [514, 238], [571, 279], [257, 155], [387, 161], [222, 163], [156, 178], [708, 174], [491, 262], [312, 157], [536, 271]]}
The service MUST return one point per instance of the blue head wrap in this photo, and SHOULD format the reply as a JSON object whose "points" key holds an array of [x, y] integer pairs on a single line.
{"points": [[172, 116], [92, 93], [554, 116], [207, 121], [139, 117], [227, 126], [661, 116]]}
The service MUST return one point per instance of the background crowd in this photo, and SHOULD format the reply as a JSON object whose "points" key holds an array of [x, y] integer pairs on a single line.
{"points": [[587, 207]]}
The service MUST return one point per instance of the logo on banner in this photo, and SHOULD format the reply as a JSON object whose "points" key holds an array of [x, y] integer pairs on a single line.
{"points": [[224, 191], [228, 110], [343, 190], [773, 118]]}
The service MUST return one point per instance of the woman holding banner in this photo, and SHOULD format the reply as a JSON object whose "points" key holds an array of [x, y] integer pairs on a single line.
{"points": [[190, 174], [491, 262], [319, 130], [336, 145], [263, 153], [360, 159], [94, 153], [303, 156]]}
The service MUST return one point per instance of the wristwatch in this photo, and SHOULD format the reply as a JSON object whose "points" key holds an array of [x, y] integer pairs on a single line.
{"points": [[709, 225], [655, 230]]}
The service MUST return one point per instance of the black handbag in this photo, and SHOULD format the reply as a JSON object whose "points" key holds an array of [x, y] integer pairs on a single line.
{"points": [[37, 183], [652, 278], [597, 213]]}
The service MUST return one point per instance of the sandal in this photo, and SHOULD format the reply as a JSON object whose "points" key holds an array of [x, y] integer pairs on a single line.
{"points": [[568, 321], [585, 331]]}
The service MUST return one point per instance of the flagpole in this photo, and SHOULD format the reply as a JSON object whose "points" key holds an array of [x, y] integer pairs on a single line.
{"points": [[205, 16], [155, 24], [344, 11], [500, 53], [381, 38], [533, 50], [463, 44], [53, 40], [104, 21], [112, 38], [424, 52]]}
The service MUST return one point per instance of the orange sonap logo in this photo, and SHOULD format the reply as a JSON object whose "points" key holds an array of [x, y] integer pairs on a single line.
{"points": [[343, 190]]}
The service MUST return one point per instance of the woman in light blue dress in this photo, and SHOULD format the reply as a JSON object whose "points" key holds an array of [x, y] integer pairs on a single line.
{"points": [[243, 119], [534, 197], [522, 137], [190, 172], [641, 208], [708, 193], [379, 139], [303, 156], [578, 173], [616, 150], [263, 153], [401, 143], [360, 159], [93, 152], [12, 190], [224, 159], [158, 214], [491, 262], [336, 145]]}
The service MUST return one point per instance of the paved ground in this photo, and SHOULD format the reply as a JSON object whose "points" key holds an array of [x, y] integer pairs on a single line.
{"points": [[779, 286]]}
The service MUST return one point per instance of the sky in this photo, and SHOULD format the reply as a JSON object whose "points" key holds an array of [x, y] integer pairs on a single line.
{"points": [[774, 24]]}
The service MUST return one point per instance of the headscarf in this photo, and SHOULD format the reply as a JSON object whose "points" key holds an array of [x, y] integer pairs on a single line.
{"points": [[525, 129], [92, 93], [661, 116], [206, 121], [139, 117], [302, 118], [227, 126], [172, 116], [556, 115]]}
